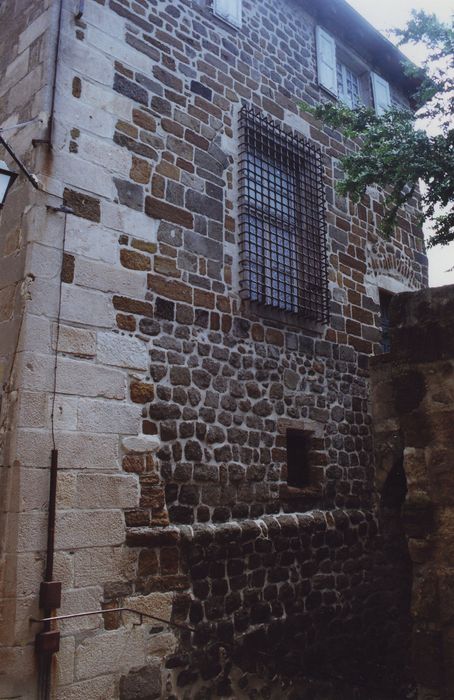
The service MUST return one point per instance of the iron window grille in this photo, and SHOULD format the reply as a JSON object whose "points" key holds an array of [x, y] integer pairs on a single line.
{"points": [[283, 258]]}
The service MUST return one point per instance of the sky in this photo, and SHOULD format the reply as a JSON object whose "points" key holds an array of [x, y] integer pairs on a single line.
{"points": [[387, 14]]}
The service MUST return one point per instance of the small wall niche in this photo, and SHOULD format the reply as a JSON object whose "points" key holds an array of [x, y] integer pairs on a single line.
{"points": [[298, 457]]}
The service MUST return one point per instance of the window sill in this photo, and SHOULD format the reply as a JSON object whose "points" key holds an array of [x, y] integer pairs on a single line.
{"points": [[257, 312], [296, 499], [295, 492], [229, 23]]}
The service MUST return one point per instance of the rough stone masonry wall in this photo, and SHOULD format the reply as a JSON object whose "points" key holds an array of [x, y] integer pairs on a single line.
{"points": [[412, 398], [173, 396]]}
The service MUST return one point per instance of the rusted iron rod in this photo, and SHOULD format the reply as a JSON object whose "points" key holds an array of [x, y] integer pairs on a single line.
{"points": [[112, 610]]}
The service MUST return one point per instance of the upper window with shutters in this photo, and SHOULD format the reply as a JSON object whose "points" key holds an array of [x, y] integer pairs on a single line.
{"points": [[347, 78], [228, 10]]}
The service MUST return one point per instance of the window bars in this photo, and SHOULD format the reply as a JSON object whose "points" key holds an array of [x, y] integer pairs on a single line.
{"points": [[283, 255]]}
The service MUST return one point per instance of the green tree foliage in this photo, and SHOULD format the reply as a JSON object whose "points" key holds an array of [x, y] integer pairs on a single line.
{"points": [[396, 155]]}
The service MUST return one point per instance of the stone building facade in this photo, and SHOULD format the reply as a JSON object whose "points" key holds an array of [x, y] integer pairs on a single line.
{"points": [[137, 339]]}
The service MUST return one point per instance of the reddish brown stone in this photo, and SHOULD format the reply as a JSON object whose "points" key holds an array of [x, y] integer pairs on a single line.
{"points": [[226, 323], [158, 209], [185, 165], [144, 245], [353, 327], [223, 304], [134, 464], [160, 517], [137, 518], [169, 560], [141, 392], [133, 260], [352, 263], [148, 563], [166, 266], [120, 68], [82, 205], [215, 321], [168, 250], [151, 490], [258, 332], [140, 171], [126, 322], [133, 306], [167, 169], [144, 120], [77, 87], [360, 345], [168, 79], [199, 114], [171, 289], [196, 140], [274, 337], [205, 106], [172, 127], [273, 108], [111, 619], [362, 315], [126, 128], [149, 459], [354, 297], [203, 298], [158, 186], [230, 224], [67, 268]]}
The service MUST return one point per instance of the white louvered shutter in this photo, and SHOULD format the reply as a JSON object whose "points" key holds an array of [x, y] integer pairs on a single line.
{"points": [[382, 96], [229, 10], [326, 61]]}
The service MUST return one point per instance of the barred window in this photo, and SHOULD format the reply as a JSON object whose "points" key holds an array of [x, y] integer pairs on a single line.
{"points": [[282, 219]]}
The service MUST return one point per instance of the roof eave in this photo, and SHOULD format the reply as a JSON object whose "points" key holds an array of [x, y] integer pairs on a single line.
{"points": [[354, 30]]}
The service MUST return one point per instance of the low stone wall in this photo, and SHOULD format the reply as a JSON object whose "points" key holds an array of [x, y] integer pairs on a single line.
{"points": [[413, 400], [286, 596]]}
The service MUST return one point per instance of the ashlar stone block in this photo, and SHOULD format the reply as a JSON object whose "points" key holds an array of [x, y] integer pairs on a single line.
{"points": [[87, 307], [89, 529], [81, 378], [113, 651], [98, 416], [77, 450], [122, 351], [103, 564], [107, 491]]}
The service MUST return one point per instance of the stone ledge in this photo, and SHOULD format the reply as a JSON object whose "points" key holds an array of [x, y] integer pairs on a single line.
{"points": [[223, 533]]}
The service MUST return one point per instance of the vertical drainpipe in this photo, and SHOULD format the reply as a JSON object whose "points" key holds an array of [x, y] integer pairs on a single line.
{"points": [[50, 125]]}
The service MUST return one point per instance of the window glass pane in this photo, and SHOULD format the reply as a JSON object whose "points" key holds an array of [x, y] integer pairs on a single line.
{"points": [[348, 86], [230, 9], [352, 87]]}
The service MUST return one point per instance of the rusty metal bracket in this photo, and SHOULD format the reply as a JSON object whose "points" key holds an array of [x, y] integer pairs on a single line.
{"points": [[141, 615]]}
